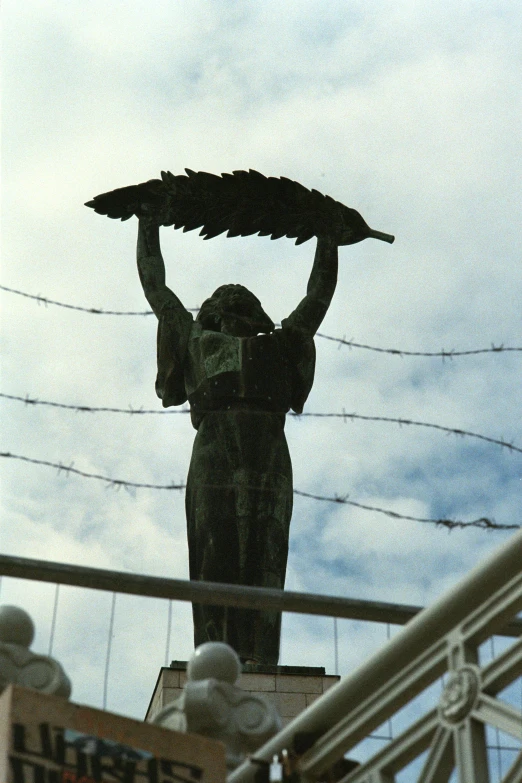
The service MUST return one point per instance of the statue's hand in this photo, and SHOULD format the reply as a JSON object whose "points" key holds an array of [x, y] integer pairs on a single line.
{"points": [[153, 203], [156, 213], [145, 211], [329, 239]]}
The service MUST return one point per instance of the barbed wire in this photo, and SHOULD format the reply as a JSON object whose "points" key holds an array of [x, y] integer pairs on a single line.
{"points": [[86, 408], [94, 310], [344, 415], [61, 468], [443, 354], [483, 522], [411, 422], [440, 354]]}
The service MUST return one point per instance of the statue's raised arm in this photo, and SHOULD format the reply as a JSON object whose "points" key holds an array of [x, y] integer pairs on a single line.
{"points": [[175, 321], [309, 313], [151, 269]]}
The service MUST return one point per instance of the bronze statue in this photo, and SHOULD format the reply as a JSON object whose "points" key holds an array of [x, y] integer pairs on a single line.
{"points": [[240, 376]]}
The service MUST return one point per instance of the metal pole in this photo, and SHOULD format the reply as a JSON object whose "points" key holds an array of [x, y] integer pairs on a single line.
{"points": [[217, 594], [169, 628], [53, 621], [109, 649], [336, 648]]}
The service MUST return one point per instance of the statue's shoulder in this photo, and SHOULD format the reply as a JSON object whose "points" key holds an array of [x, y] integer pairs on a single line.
{"points": [[294, 333], [172, 312]]}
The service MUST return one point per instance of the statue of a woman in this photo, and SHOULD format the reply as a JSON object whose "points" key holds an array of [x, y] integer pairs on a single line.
{"points": [[240, 376]]}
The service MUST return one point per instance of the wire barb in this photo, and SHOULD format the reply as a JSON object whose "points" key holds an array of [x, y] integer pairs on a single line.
{"points": [[400, 421], [70, 469], [483, 523], [341, 340], [431, 354], [92, 310], [297, 416]]}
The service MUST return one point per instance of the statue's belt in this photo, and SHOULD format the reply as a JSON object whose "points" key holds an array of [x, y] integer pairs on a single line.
{"points": [[234, 404]]}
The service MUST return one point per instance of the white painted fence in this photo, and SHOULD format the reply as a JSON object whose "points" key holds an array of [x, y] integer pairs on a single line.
{"points": [[444, 638]]}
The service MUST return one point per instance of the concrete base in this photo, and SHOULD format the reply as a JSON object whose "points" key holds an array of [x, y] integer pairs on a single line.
{"points": [[290, 688]]}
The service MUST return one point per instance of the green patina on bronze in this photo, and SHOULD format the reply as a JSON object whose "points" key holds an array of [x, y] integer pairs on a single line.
{"points": [[240, 385], [241, 376]]}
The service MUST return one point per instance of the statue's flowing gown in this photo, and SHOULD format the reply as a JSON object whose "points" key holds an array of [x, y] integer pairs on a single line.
{"points": [[239, 489]]}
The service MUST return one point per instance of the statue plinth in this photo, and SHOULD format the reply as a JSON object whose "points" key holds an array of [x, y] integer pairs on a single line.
{"points": [[291, 688]]}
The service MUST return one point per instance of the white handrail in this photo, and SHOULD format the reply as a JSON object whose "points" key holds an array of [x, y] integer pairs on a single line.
{"points": [[418, 636]]}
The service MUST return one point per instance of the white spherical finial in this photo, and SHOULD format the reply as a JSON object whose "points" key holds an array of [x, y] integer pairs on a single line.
{"points": [[16, 626], [214, 659]]}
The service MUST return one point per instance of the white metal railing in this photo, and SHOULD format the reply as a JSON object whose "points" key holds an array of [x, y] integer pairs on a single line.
{"points": [[445, 637]]}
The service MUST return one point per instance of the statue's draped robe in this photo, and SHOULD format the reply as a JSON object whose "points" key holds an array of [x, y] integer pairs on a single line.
{"points": [[239, 488]]}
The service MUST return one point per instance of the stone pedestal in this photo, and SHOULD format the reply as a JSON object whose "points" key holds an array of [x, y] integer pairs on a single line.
{"points": [[290, 688]]}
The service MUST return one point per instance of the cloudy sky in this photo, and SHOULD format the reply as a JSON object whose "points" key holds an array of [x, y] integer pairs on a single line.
{"points": [[409, 113]]}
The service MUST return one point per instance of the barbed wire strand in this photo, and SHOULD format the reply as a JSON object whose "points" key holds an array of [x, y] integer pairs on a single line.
{"points": [[93, 310], [411, 422], [482, 522], [344, 415], [443, 354], [401, 352], [86, 408], [71, 469]]}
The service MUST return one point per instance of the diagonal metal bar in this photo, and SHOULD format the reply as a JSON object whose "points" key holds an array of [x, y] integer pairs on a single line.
{"points": [[471, 758], [399, 752], [441, 758], [498, 713], [503, 669], [490, 615], [368, 713], [375, 776]]}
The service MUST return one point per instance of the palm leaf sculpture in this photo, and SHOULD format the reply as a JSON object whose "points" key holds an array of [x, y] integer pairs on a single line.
{"points": [[241, 203]]}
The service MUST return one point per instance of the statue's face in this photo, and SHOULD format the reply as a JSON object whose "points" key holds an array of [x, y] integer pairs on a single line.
{"points": [[238, 312], [242, 314]]}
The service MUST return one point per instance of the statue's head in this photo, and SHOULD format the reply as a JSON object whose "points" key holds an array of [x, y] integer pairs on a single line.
{"points": [[235, 310]]}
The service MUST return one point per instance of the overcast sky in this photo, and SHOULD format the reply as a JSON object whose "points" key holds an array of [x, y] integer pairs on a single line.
{"points": [[409, 113]]}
